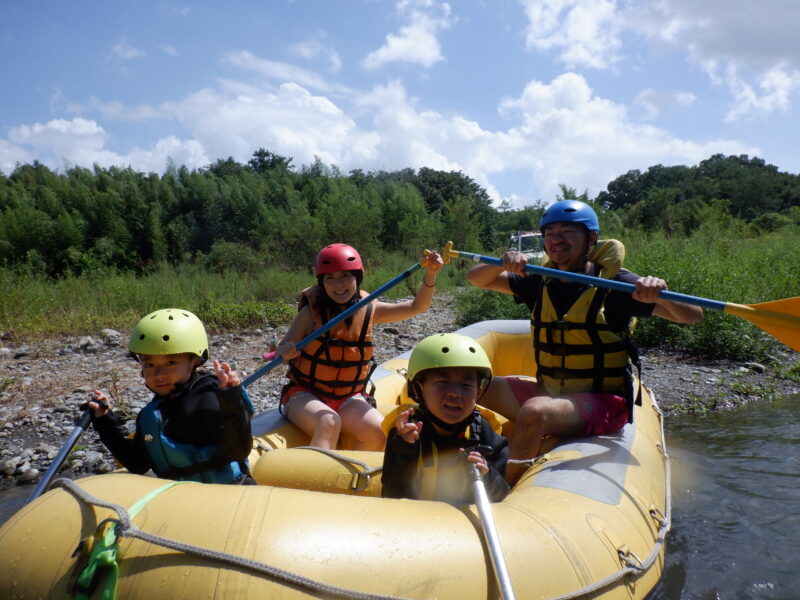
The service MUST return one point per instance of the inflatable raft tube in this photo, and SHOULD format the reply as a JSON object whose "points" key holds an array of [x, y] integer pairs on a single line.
{"points": [[588, 519]]}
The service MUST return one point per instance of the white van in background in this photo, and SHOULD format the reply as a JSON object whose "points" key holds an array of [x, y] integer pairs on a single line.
{"points": [[531, 243]]}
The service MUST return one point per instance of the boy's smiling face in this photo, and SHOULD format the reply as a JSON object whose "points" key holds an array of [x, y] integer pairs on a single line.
{"points": [[450, 393], [162, 372]]}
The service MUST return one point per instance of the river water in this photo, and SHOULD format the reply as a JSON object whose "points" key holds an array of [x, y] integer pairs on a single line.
{"points": [[735, 505]]}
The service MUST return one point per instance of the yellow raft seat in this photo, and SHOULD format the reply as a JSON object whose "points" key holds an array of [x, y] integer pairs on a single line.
{"points": [[588, 519]]}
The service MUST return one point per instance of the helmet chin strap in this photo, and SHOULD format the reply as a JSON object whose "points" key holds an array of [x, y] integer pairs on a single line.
{"points": [[450, 428]]}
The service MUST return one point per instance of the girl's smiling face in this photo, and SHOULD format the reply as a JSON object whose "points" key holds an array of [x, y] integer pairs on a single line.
{"points": [[450, 393], [163, 372], [340, 286]]}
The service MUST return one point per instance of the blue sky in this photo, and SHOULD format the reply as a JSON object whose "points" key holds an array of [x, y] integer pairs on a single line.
{"points": [[520, 95]]}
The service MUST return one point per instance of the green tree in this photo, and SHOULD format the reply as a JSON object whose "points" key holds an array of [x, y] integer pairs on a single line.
{"points": [[265, 162]]}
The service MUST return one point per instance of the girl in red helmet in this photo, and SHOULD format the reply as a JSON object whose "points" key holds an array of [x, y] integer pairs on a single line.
{"points": [[325, 394]]}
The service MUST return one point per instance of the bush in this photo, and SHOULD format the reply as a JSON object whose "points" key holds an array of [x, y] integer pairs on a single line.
{"points": [[474, 304]]}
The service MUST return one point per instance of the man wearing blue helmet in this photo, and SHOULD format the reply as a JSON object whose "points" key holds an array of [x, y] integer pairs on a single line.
{"points": [[581, 334]]}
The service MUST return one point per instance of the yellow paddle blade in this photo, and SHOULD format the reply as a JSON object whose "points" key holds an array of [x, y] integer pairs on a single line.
{"points": [[779, 318]]}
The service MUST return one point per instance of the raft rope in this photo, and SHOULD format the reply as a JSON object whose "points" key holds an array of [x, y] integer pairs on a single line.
{"points": [[367, 472], [125, 528], [634, 566]]}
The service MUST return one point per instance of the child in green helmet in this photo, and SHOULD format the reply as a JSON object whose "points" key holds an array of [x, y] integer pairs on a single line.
{"points": [[426, 450], [197, 426]]}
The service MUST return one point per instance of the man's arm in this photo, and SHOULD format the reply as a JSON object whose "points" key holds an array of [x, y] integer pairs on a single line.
{"points": [[491, 277], [648, 290]]}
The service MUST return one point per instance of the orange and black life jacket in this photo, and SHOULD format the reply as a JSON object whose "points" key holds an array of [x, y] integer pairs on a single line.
{"points": [[337, 364]]}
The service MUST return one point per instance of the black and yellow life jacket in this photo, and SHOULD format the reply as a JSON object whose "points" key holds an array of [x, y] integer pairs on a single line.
{"points": [[440, 470], [578, 351]]}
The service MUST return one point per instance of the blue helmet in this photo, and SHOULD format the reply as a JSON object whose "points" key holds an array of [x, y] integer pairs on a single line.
{"points": [[570, 211]]}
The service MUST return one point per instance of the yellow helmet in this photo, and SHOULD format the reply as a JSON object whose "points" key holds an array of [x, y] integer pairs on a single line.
{"points": [[448, 350], [170, 331], [445, 350]]}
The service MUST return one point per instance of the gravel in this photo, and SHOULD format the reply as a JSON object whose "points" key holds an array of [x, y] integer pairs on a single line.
{"points": [[43, 383]]}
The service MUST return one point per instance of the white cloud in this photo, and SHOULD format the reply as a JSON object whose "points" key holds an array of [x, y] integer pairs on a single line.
{"points": [[574, 137], [181, 11], [653, 102], [281, 71], [584, 33], [290, 121], [169, 50], [115, 109], [416, 42], [60, 136], [559, 132], [82, 142], [751, 48], [776, 88], [316, 48], [11, 154], [122, 50], [182, 152]]}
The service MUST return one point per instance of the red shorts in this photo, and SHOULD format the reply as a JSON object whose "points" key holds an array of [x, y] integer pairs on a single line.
{"points": [[334, 404], [602, 412]]}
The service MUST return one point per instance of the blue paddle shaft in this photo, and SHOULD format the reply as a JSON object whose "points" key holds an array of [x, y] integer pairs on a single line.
{"points": [[332, 323], [619, 286], [80, 426]]}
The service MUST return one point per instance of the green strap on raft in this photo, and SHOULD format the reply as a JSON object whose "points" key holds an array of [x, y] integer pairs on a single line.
{"points": [[103, 558]]}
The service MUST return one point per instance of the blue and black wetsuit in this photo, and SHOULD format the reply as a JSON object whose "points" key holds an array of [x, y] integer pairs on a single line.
{"points": [[199, 433]]}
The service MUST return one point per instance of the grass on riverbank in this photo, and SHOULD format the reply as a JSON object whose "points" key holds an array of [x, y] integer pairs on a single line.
{"points": [[33, 306], [724, 262]]}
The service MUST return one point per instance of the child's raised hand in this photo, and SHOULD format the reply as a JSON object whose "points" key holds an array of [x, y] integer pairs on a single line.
{"points": [[227, 377], [432, 261], [287, 350], [479, 460], [408, 431], [99, 404]]}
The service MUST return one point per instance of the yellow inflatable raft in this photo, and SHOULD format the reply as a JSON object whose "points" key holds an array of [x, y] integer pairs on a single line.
{"points": [[588, 519]]}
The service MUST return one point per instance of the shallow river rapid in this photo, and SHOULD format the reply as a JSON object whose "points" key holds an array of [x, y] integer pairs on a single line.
{"points": [[735, 505]]}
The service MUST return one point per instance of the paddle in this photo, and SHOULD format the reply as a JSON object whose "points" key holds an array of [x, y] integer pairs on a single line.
{"points": [[490, 533], [779, 318], [333, 322], [81, 423]]}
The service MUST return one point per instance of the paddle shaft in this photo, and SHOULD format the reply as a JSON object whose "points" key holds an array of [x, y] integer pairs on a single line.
{"points": [[620, 286], [332, 323], [80, 426], [490, 533]]}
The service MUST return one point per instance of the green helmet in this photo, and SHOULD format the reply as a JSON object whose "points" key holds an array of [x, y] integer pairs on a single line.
{"points": [[448, 350], [169, 331]]}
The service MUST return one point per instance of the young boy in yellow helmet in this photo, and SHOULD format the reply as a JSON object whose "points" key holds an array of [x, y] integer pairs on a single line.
{"points": [[197, 426], [425, 451]]}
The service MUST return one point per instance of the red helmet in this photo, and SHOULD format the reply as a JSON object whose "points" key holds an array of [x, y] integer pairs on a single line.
{"points": [[337, 257]]}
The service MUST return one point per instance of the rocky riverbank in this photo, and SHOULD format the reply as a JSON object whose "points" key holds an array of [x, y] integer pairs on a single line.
{"points": [[43, 383]]}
